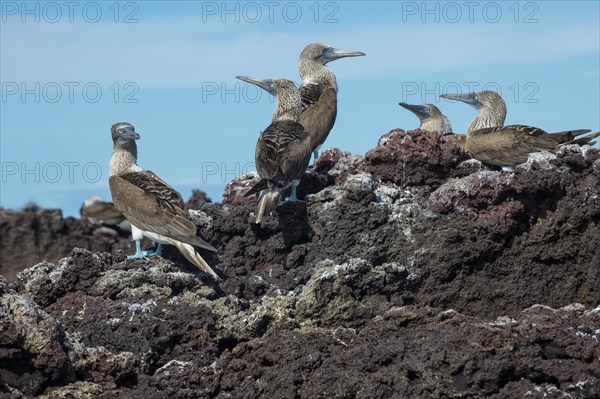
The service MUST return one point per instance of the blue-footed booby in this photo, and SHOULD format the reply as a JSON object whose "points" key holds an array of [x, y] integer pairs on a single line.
{"points": [[319, 91], [155, 209], [491, 110], [433, 120], [283, 149]]}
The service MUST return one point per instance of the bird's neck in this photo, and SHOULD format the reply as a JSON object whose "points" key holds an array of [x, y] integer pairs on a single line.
{"points": [[124, 159], [432, 125], [289, 114], [289, 107], [488, 117], [312, 72]]}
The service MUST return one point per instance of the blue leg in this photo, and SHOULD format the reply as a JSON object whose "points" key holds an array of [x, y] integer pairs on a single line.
{"points": [[157, 251], [292, 197], [139, 254]]}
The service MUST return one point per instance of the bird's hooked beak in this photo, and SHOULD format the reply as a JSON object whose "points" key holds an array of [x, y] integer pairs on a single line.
{"points": [[468, 98], [332, 54], [127, 134], [421, 111], [265, 84]]}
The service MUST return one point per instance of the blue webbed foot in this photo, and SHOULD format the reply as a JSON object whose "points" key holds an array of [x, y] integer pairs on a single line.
{"points": [[156, 252], [139, 254]]}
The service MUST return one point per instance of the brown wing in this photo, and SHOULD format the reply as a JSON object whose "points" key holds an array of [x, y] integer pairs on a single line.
{"points": [[283, 152], [515, 129], [508, 147], [319, 116], [310, 94], [266, 151], [152, 205], [293, 162]]}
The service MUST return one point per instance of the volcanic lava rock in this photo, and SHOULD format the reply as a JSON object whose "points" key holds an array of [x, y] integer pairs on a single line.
{"points": [[34, 235], [399, 275]]}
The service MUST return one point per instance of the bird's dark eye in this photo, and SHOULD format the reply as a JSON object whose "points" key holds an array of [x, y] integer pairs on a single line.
{"points": [[120, 131]]}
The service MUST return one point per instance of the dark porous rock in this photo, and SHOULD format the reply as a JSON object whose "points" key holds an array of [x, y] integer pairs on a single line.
{"points": [[197, 200], [413, 158], [409, 273], [529, 238], [337, 164], [474, 194], [238, 187], [33, 349], [34, 235]]}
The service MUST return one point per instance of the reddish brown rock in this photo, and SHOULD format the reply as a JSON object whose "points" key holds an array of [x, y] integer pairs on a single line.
{"points": [[413, 158], [471, 283]]}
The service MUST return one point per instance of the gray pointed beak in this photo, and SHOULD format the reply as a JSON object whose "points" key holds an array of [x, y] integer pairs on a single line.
{"points": [[128, 135], [468, 98], [421, 111], [265, 84], [332, 54]]}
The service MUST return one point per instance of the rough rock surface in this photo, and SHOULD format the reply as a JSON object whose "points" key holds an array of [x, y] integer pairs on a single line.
{"points": [[197, 200], [400, 275], [34, 235]]}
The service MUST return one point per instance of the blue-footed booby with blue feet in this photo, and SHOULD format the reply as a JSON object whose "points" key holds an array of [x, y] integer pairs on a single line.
{"points": [[155, 209], [283, 149], [319, 91], [491, 110]]}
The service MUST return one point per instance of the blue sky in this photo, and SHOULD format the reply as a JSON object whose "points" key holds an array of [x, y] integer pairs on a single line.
{"points": [[69, 70]]}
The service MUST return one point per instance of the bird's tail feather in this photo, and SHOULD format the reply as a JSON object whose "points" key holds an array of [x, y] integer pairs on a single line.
{"points": [[567, 136], [260, 185], [190, 254], [267, 202], [585, 139]]}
